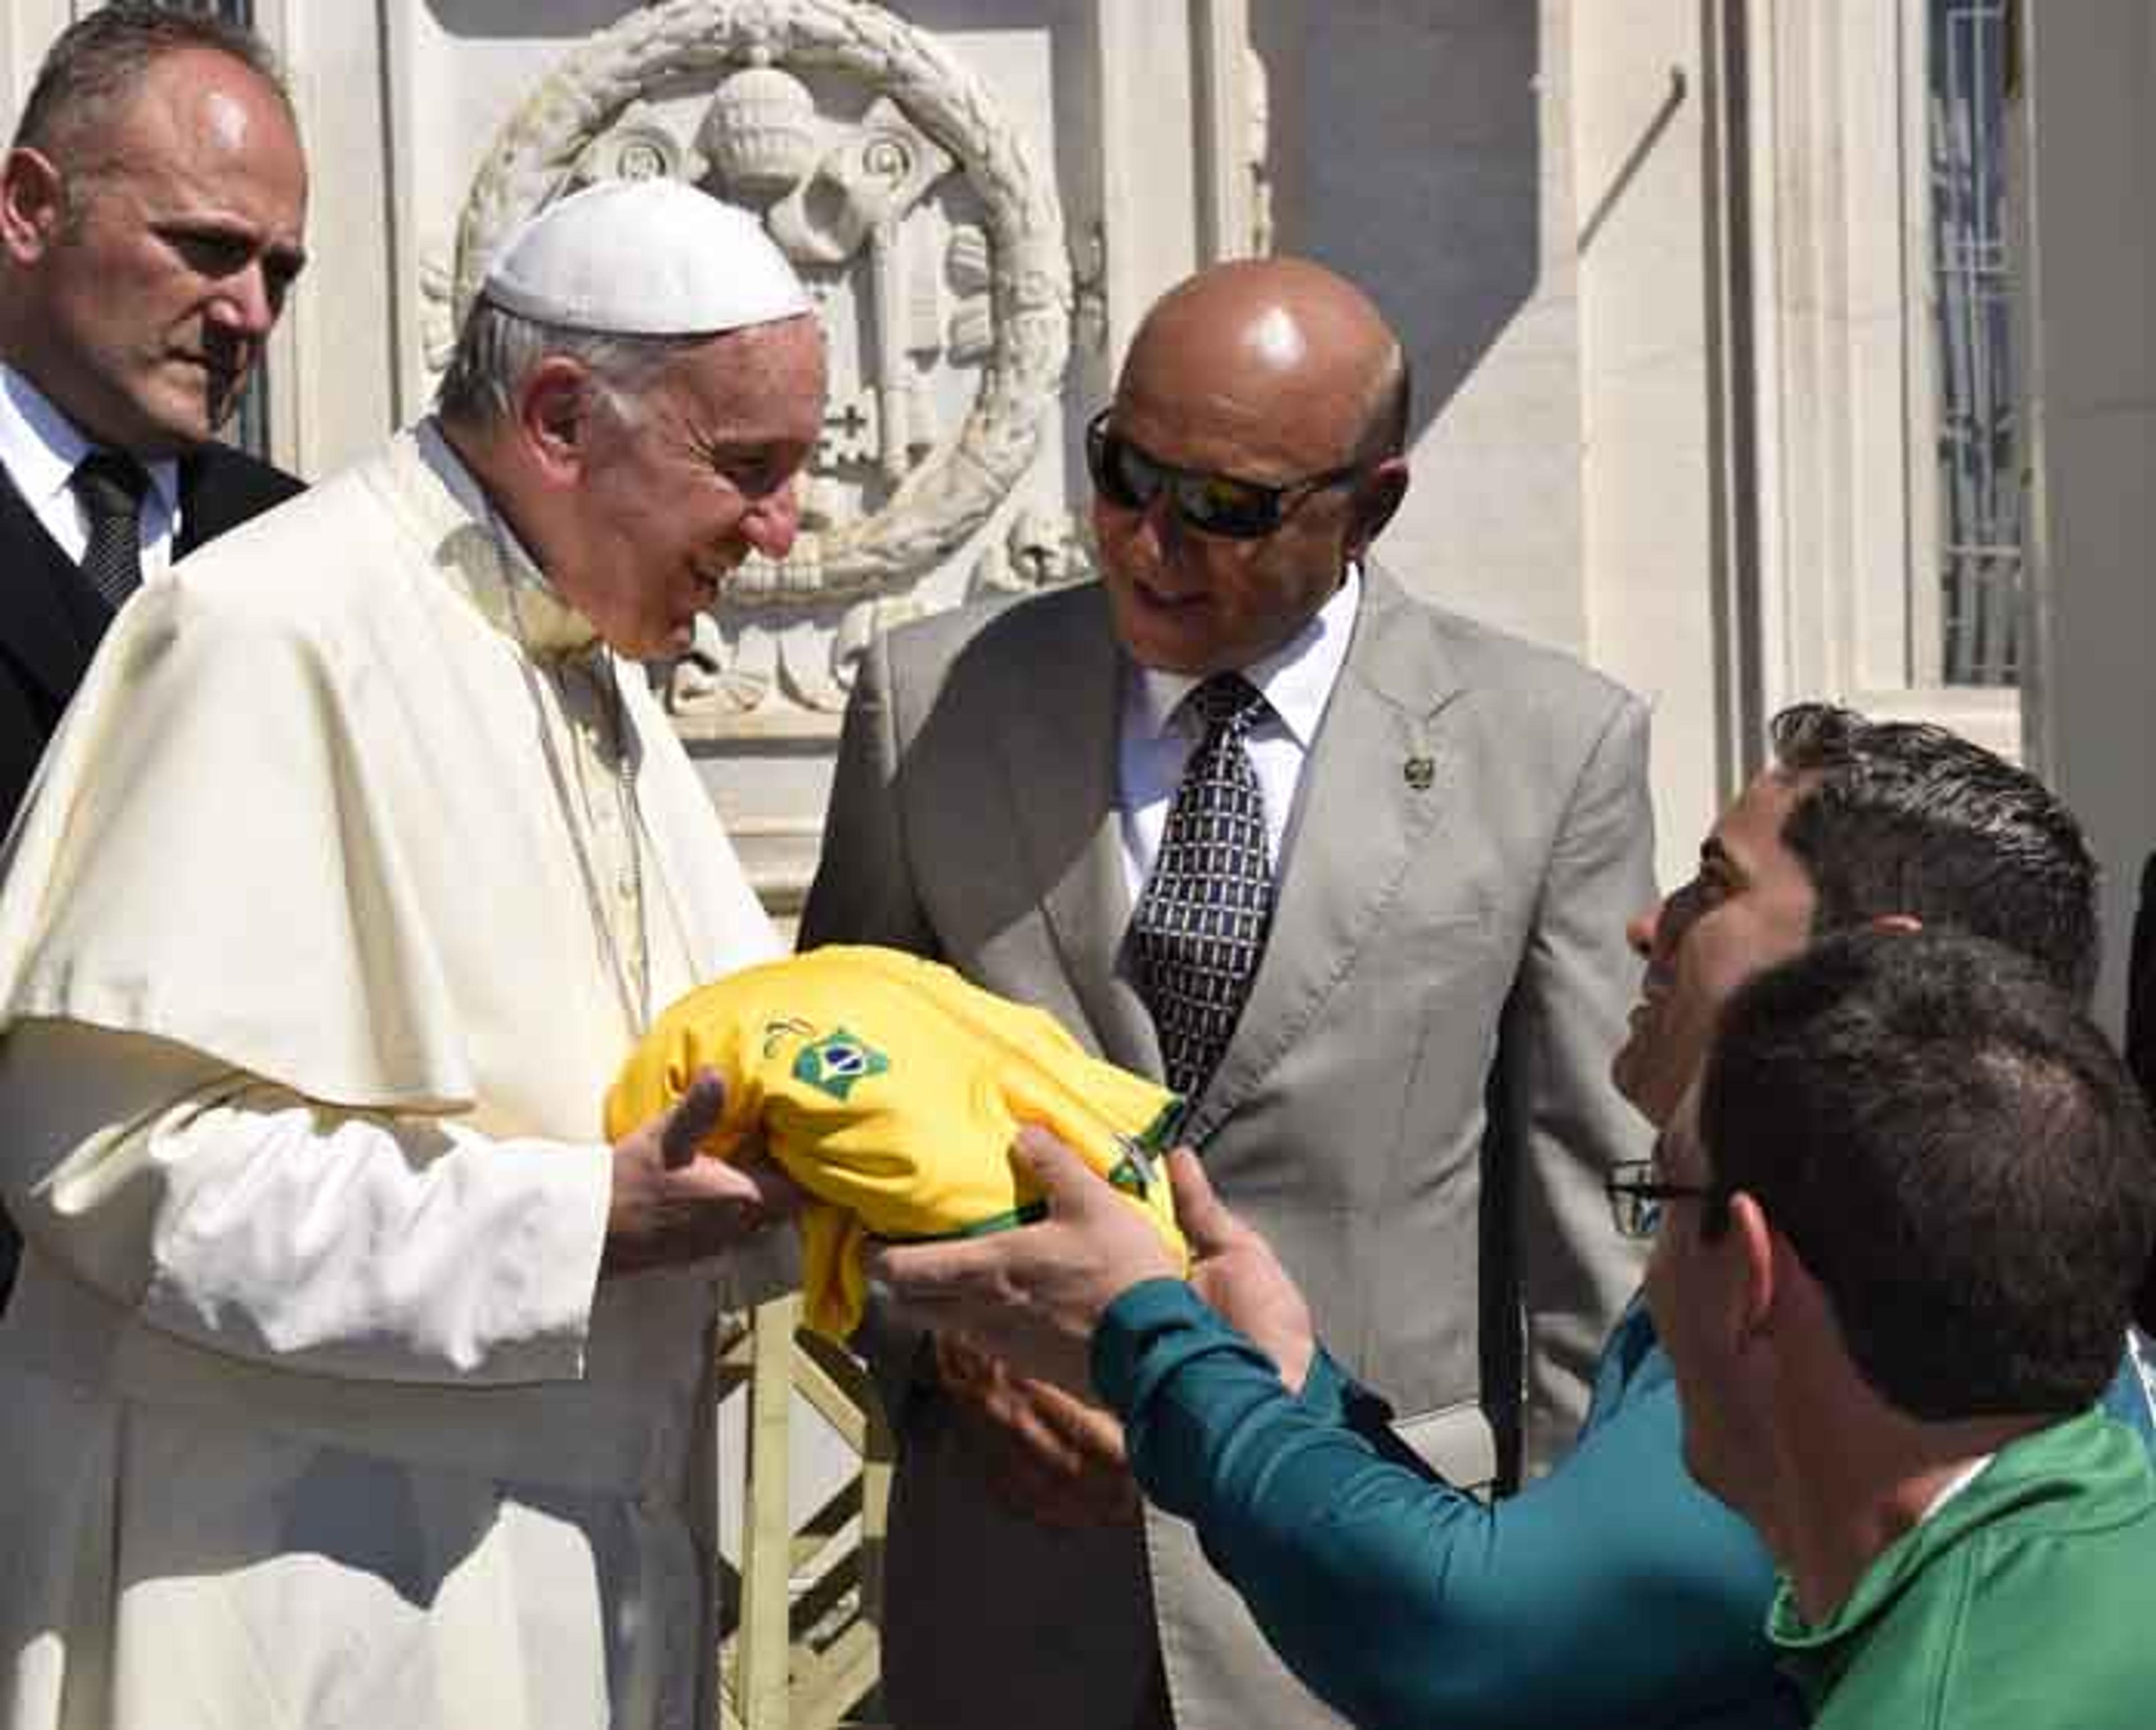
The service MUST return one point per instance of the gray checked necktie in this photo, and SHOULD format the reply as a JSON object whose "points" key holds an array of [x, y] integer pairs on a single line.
{"points": [[1200, 925], [110, 486]]}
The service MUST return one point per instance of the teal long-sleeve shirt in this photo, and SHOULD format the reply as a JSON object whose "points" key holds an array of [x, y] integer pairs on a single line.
{"points": [[1612, 1591]]}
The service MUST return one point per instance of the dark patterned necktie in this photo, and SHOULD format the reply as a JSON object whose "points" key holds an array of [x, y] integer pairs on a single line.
{"points": [[1200, 925], [110, 486]]}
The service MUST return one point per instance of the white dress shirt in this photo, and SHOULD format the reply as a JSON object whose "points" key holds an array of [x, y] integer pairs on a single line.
{"points": [[41, 448], [1157, 736]]}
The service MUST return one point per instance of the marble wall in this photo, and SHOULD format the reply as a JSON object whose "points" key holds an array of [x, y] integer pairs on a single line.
{"points": [[2088, 142], [1655, 264]]}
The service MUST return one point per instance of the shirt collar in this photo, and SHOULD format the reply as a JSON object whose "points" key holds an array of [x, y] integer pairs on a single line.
{"points": [[42, 447], [1962, 1477], [2088, 1460], [1296, 679], [514, 593]]}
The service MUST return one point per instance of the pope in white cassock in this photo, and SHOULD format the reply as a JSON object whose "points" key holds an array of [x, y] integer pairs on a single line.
{"points": [[352, 1378]]}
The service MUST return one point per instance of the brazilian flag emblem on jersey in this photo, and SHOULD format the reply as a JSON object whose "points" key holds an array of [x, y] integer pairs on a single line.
{"points": [[833, 1063]]}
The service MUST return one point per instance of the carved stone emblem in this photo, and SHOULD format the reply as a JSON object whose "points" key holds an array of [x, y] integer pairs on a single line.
{"points": [[1041, 549], [934, 246]]}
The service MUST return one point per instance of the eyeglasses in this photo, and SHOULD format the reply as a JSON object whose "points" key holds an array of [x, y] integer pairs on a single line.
{"points": [[1636, 1197], [1130, 479]]}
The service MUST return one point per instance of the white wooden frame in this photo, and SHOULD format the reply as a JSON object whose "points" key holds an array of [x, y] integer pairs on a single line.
{"points": [[1847, 376]]}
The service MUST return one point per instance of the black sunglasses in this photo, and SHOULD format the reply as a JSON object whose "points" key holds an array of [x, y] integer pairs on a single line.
{"points": [[1130, 479]]}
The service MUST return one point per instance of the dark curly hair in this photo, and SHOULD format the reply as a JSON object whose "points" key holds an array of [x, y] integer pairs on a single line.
{"points": [[1905, 817]]}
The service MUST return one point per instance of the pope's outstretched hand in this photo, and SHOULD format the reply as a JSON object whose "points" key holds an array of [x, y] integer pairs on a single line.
{"points": [[669, 1205], [1034, 1296]]}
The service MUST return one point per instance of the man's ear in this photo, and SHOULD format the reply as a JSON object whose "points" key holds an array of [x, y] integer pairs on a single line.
{"points": [[554, 418], [33, 204], [1378, 495], [1758, 1247]]}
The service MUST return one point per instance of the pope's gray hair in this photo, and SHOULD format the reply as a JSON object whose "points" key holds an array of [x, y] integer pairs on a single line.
{"points": [[497, 349]]}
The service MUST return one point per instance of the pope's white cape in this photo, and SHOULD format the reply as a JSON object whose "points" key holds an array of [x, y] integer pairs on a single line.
{"points": [[314, 1414], [297, 819]]}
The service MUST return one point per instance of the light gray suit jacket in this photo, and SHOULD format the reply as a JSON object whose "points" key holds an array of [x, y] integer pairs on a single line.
{"points": [[1415, 1108]]}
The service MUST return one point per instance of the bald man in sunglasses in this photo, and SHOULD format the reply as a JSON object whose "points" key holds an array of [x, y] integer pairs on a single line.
{"points": [[1347, 871]]}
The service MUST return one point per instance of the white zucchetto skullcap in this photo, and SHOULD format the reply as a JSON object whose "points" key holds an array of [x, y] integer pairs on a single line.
{"points": [[644, 258]]}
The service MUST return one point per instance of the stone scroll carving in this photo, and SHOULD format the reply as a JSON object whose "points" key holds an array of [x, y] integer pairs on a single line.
{"points": [[932, 240]]}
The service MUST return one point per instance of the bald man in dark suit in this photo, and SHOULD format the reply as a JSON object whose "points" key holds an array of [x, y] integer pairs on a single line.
{"points": [[150, 209]]}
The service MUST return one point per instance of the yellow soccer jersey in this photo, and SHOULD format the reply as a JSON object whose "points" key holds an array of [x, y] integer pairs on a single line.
{"points": [[890, 1088]]}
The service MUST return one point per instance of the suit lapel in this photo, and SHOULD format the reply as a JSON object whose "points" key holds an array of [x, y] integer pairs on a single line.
{"points": [[52, 619], [1058, 756], [206, 506], [1371, 794]]}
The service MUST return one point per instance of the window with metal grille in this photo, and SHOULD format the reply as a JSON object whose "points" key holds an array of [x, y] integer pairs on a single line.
{"points": [[1978, 445]]}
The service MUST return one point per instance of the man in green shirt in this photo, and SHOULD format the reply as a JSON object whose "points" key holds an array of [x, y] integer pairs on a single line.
{"points": [[1904, 1217]]}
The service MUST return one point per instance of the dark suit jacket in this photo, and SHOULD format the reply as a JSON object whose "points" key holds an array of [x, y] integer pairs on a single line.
{"points": [[51, 620], [1415, 1108]]}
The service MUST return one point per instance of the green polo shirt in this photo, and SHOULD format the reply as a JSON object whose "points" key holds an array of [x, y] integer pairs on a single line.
{"points": [[2025, 1602]]}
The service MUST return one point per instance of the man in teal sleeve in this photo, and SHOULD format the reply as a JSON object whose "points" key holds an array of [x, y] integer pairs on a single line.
{"points": [[1907, 1208], [1612, 1590], [1611, 1586]]}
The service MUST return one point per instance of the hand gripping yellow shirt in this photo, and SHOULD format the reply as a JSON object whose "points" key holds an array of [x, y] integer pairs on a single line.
{"points": [[890, 1088]]}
